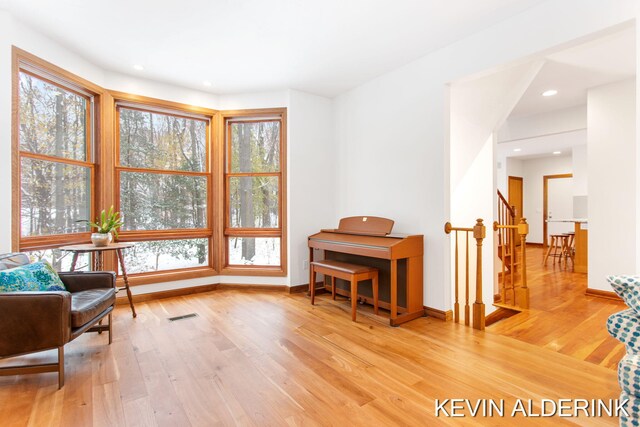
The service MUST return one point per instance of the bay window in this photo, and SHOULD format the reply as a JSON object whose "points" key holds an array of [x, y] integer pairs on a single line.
{"points": [[201, 192]]}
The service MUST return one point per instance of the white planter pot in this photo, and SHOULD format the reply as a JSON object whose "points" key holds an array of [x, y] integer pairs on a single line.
{"points": [[101, 239]]}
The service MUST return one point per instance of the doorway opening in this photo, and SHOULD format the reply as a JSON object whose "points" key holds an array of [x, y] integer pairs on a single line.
{"points": [[529, 124]]}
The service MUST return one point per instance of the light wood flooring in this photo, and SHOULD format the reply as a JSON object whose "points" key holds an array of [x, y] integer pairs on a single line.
{"points": [[268, 358], [561, 317]]}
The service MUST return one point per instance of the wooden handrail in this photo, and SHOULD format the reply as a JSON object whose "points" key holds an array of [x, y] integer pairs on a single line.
{"points": [[510, 209], [479, 233]]}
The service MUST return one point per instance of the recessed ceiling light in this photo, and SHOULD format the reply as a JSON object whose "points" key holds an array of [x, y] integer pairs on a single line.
{"points": [[207, 83], [557, 152], [517, 149], [550, 92], [138, 67]]}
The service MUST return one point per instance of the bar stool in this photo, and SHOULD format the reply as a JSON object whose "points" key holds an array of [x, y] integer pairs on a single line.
{"points": [[557, 248], [571, 246]]}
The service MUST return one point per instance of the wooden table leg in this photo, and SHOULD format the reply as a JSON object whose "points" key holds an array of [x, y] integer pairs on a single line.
{"points": [[394, 289], [312, 284], [126, 281], [310, 261], [374, 284], [74, 260], [354, 297]]}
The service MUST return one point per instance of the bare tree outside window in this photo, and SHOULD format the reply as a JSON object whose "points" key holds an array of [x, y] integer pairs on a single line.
{"points": [[163, 186], [253, 191], [55, 166]]}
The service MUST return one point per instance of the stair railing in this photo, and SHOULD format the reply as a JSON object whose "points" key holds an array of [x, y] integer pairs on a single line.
{"points": [[507, 284], [506, 216], [477, 232]]}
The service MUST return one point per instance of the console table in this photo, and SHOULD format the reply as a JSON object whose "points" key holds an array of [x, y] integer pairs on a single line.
{"points": [[98, 261]]}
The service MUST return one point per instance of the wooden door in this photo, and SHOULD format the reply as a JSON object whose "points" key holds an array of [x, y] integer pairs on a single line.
{"points": [[515, 198]]}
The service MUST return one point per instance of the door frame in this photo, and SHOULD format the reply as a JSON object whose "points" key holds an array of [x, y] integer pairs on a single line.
{"points": [[521, 213], [545, 203]]}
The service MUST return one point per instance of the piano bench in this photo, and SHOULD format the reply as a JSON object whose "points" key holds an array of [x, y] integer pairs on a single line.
{"points": [[351, 272]]}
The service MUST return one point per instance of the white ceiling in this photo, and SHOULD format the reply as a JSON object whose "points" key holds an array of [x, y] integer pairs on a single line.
{"points": [[572, 71], [324, 46]]}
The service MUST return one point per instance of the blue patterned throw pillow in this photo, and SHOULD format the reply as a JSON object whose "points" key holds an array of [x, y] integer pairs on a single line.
{"points": [[39, 276], [627, 288]]}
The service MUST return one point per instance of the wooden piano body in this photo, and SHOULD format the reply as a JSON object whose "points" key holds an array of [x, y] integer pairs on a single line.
{"points": [[399, 259]]}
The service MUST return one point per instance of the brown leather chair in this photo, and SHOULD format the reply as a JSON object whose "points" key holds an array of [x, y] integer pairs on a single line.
{"points": [[38, 321]]}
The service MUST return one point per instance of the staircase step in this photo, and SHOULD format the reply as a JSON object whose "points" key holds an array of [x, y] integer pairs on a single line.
{"points": [[508, 307]]}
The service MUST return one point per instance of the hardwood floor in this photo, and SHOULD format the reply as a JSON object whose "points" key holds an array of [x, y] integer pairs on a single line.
{"points": [[253, 358], [561, 317]]}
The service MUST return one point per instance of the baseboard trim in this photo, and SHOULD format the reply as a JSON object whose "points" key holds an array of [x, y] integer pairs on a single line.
{"points": [[252, 287], [299, 288], [602, 294], [122, 296], [499, 314], [171, 293], [535, 244], [447, 315]]}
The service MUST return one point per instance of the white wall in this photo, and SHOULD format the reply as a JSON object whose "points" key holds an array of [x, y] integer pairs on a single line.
{"points": [[532, 172], [612, 181], [554, 122], [580, 172], [138, 85], [392, 131], [312, 173]]}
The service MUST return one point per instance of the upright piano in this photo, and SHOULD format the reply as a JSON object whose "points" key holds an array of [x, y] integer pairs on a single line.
{"points": [[398, 257]]}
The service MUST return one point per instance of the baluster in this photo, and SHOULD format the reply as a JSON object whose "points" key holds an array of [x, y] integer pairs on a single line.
{"points": [[523, 230], [479, 233], [466, 304], [503, 284], [456, 305], [513, 262]]}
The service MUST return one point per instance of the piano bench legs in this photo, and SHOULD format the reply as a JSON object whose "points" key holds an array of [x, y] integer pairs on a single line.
{"points": [[349, 272]]}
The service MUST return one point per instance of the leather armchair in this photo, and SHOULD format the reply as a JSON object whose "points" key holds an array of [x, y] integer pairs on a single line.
{"points": [[38, 321]]}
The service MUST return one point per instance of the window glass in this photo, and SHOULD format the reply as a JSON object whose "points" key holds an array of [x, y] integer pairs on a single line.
{"points": [[60, 260], [166, 255], [54, 196], [53, 121], [255, 146], [152, 201], [254, 251], [253, 202], [160, 141]]}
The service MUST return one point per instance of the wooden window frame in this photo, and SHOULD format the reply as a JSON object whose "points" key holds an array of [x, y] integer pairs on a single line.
{"points": [[158, 106], [24, 62], [103, 149], [257, 115]]}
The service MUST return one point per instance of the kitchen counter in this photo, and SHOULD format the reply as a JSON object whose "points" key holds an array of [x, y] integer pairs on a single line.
{"points": [[577, 220]]}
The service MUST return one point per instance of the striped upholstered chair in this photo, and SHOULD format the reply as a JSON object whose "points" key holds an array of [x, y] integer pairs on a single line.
{"points": [[625, 327]]}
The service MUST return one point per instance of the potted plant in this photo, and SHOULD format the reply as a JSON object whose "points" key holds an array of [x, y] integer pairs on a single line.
{"points": [[107, 225]]}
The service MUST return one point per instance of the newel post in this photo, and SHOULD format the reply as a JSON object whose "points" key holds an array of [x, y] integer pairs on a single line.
{"points": [[523, 230], [479, 233]]}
